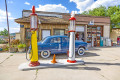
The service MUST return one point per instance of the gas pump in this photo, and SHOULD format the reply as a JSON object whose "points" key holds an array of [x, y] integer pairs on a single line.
{"points": [[34, 47], [72, 28]]}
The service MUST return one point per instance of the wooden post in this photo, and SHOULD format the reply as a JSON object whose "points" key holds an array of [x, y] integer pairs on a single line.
{"points": [[7, 24], [85, 33]]}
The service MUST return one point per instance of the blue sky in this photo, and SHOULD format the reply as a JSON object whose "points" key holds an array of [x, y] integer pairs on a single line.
{"points": [[15, 8]]}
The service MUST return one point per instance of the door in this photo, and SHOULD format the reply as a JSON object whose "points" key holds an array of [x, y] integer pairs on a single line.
{"points": [[65, 44], [55, 45], [45, 33], [94, 35]]}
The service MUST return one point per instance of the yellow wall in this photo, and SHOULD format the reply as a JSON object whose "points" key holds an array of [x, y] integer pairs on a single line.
{"points": [[52, 27], [114, 34], [41, 27]]}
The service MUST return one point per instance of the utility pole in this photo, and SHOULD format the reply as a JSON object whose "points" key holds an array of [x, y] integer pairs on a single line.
{"points": [[7, 24]]}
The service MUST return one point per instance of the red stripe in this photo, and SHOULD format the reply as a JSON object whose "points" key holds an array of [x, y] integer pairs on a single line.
{"points": [[71, 61], [35, 63], [72, 18], [71, 31]]}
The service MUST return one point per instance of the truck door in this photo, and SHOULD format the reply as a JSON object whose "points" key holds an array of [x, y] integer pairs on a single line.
{"points": [[65, 44], [55, 45]]}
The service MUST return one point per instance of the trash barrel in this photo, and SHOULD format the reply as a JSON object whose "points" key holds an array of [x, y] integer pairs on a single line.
{"points": [[1, 49], [101, 41], [118, 40]]}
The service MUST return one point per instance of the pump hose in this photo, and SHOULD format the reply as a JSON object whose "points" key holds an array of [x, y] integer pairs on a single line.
{"points": [[27, 50]]}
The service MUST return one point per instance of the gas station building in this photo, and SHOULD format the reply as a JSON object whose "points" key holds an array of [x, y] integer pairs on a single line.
{"points": [[88, 28]]}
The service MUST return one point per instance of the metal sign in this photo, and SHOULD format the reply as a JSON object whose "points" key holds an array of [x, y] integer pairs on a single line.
{"points": [[91, 22]]}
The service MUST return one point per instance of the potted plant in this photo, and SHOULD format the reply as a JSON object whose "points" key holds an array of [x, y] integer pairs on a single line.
{"points": [[13, 45], [21, 47], [13, 48]]}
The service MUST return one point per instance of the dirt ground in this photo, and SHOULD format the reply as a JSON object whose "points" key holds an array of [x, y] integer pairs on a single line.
{"points": [[100, 64], [2, 45]]}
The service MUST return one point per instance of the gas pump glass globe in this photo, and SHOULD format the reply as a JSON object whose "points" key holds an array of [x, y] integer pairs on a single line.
{"points": [[33, 22], [72, 25]]}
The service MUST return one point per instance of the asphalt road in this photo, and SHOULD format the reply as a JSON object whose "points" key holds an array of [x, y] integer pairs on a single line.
{"points": [[100, 64]]}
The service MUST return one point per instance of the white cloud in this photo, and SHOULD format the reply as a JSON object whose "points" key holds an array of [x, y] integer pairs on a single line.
{"points": [[105, 3], [14, 29], [27, 3], [3, 16], [10, 2], [53, 8], [1, 28], [3, 22], [84, 5], [76, 12]]}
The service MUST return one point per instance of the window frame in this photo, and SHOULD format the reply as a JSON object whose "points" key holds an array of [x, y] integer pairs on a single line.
{"points": [[56, 39], [64, 38], [59, 29], [30, 37]]}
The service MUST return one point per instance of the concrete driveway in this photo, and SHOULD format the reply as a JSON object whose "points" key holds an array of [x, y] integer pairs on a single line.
{"points": [[100, 64]]}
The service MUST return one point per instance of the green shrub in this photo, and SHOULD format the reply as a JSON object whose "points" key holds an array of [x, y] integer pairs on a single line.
{"points": [[15, 42], [13, 46], [21, 46], [4, 48], [2, 41]]}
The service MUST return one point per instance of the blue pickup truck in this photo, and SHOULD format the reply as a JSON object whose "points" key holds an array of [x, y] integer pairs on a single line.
{"points": [[58, 45]]}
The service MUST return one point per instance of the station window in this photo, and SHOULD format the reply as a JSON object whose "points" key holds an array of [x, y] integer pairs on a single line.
{"points": [[59, 32], [28, 33]]}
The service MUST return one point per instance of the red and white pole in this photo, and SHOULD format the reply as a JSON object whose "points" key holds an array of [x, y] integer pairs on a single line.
{"points": [[72, 28]]}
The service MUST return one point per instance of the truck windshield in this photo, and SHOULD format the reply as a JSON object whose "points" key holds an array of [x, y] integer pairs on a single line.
{"points": [[43, 39]]}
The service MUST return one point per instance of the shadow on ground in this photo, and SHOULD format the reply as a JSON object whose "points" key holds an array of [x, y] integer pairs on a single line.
{"points": [[94, 49], [81, 68], [99, 48], [97, 63], [64, 56], [88, 54], [75, 67]]}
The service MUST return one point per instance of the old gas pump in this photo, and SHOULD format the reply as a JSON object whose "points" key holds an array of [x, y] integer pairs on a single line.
{"points": [[34, 47], [72, 28]]}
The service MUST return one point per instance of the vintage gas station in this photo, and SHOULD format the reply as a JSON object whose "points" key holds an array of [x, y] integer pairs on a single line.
{"points": [[34, 63], [88, 28], [56, 43]]}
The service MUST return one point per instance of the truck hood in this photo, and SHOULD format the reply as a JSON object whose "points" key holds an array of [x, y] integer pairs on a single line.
{"points": [[39, 43], [79, 41]]}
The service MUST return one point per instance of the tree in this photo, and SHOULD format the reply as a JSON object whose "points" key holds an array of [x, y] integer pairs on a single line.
{"points": [[100, 11], [113, 12], [4, 32]]}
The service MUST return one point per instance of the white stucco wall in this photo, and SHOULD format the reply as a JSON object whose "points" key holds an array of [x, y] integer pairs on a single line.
{"points": [[106, 31], [17, 36]]}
